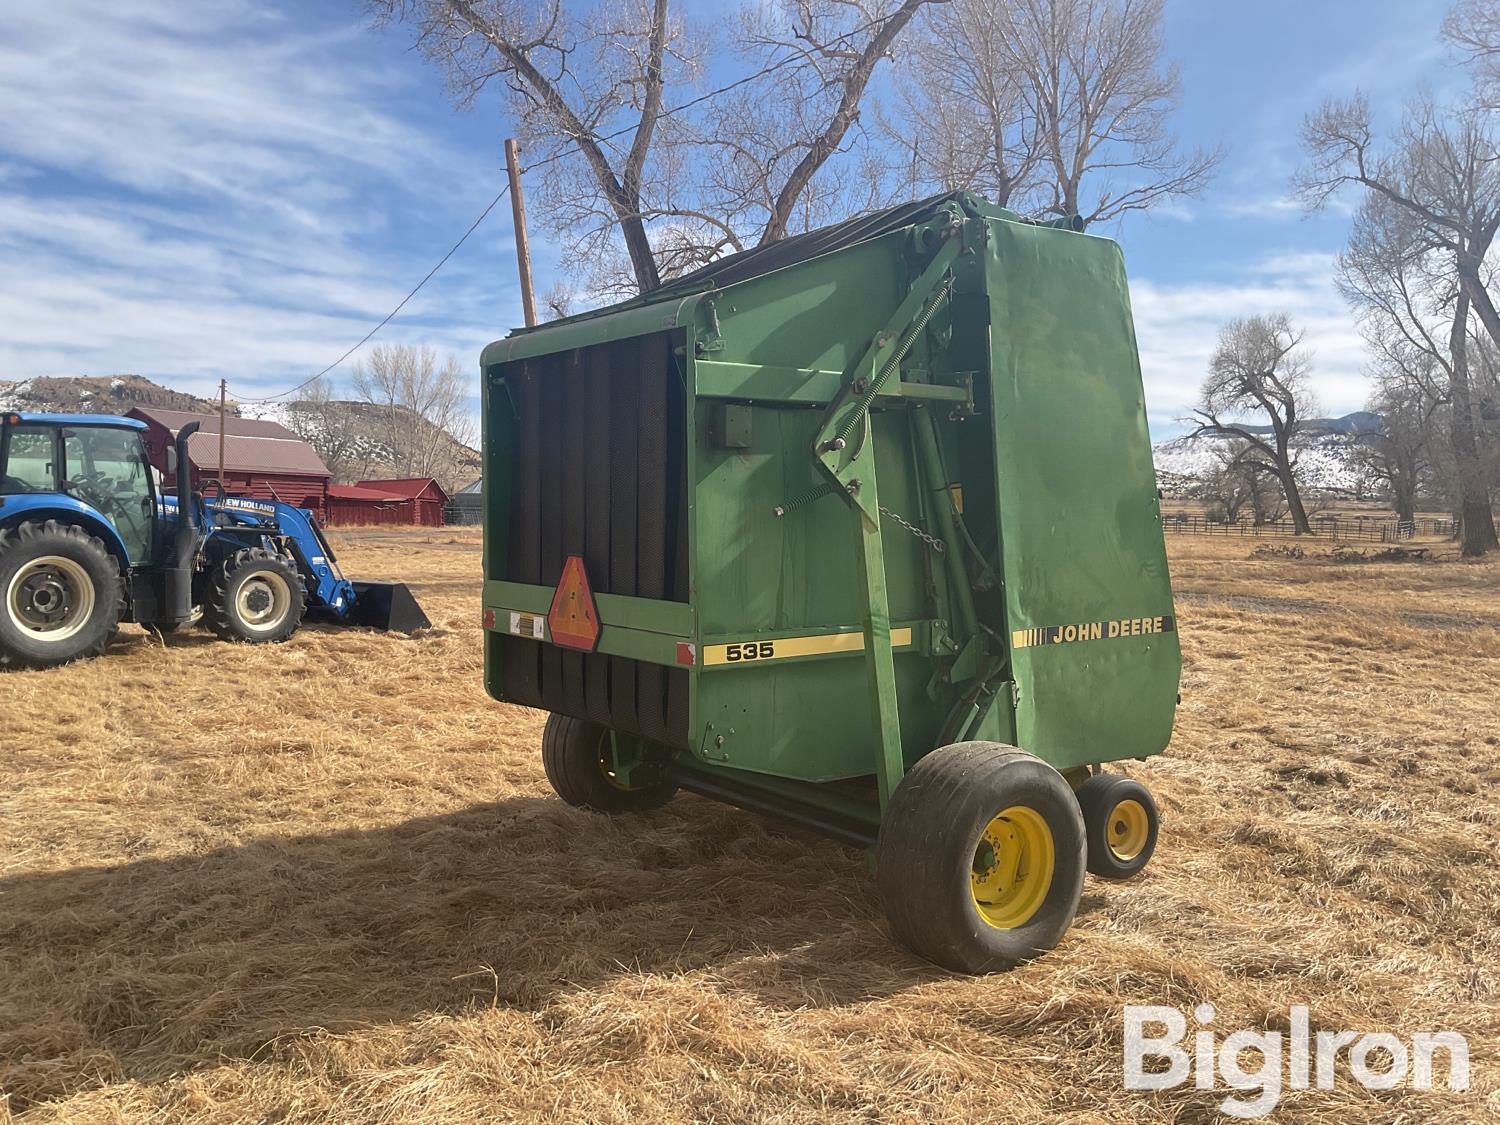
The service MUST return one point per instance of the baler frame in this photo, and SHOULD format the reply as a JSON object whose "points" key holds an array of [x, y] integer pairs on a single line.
{"points": [[929, 322]]}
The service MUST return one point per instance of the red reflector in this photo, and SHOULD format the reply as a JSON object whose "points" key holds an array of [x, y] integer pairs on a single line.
{"points": [[573, 618], [489, 619], [687, 653]]}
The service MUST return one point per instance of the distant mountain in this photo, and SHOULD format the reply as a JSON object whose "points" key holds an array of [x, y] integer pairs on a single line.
{"points": [[1360, 422], [90, 394], [1325, 453]]}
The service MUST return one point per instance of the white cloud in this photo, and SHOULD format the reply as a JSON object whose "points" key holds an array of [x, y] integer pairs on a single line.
{"points": [[1178, 324], [196, 190]]}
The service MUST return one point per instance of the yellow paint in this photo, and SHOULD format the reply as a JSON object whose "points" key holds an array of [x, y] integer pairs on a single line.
{"points": [[1127, 830], [784, 648], [1012, 870]]}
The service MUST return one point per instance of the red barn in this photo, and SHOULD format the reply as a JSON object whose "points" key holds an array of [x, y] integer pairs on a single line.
{"points": [[355, 506], [423, 496], [263, 460]]}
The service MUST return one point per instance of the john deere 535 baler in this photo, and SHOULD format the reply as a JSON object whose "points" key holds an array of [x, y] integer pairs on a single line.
{"points": [[859, 529]]}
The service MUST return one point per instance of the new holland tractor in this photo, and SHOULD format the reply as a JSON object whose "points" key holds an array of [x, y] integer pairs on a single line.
{"points": [[88, 542], [859, 529]]}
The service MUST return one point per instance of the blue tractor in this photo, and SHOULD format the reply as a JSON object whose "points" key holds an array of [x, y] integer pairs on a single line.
{"points": [[87, 542]]}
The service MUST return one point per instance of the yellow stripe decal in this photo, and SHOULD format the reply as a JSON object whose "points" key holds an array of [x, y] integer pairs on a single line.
{"points": [[784, 648]]}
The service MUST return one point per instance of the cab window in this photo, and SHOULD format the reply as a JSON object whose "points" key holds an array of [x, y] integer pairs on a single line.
{"points": [[29, 459], [105, 467]]}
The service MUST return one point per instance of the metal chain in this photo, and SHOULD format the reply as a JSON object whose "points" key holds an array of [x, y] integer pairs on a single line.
{"points": [[932, 541]]}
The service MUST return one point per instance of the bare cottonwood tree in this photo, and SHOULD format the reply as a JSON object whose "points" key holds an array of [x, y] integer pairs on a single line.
{"points": [[332, 427], [587, 85], [775, 139], [965, 120], [420, 411], [1473, 26], [1426, 224], [1399, 455], [1075, 100], [1225, 486], [1260, 367], [574, 79]]}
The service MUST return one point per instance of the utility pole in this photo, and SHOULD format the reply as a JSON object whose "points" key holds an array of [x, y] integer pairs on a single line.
{"points": [[223, 391], [518, 218]]}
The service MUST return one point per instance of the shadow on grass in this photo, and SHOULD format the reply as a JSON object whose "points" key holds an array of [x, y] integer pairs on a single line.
{"points": [[151, 968]]}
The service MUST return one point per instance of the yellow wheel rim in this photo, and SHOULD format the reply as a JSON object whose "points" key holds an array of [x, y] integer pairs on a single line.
{"points": [[607, 766], [1128, 829], [1012, 870]]}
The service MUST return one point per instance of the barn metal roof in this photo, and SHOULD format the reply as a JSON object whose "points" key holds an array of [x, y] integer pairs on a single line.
{"points": [[359, 492], [250, 445], [410, 487]]}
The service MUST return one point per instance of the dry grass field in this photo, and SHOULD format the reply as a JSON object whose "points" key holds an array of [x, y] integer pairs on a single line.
{"points": [[327, 882]]}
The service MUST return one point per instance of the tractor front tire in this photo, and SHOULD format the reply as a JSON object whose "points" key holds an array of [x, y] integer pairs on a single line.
{"points": [[61, 597], [255, 597], [580, 765], [980, 859], [1120, 824]]}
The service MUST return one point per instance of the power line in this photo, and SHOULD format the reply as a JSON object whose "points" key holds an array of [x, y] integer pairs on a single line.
{"points": [[392, 314], [770, 68]]}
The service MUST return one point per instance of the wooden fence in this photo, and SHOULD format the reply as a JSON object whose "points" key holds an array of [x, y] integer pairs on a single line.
{"points": [[1366, 531]]}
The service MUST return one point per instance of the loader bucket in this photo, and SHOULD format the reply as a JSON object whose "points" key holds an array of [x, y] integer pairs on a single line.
{"points": [[386, 605]]}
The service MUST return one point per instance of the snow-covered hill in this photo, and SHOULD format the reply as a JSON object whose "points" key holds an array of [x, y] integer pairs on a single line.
{"points": [[1325, 454]]}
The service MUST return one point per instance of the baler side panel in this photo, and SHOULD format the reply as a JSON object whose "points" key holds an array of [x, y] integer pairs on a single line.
{"points": [[794, 332], [1080, 522], [760, 576]]}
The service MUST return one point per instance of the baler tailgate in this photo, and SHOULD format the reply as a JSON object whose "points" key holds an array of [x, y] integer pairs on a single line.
{"points": [[1088, 600]]}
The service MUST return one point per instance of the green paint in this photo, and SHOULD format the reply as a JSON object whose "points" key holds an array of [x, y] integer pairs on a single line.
{"points": [[1017, 380]]}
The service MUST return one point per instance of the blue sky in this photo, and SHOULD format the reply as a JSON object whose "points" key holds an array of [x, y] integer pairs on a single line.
{"points": [[241, 189]]}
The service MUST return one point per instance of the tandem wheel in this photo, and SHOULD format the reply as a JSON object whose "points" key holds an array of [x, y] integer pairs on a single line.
{"points": [[579, 758], [1120, 824], [980, 860]]}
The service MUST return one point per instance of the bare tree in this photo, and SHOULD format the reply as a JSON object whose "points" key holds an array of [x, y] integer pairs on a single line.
{"points": [[1473, 26], [1226, 487], [332, 427], [1078, 86], [587, 88], [1399, 455], [574, 81], [965, 120], [1261, 367], [1430, 215], [420, 408], [777, 137], [558, 300]]}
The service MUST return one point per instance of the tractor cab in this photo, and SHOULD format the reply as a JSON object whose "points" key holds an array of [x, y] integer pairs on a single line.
{"points": [[96, 462]]}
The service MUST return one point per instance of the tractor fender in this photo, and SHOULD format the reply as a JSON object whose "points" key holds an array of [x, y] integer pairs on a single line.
{"points": [[65, 509]]}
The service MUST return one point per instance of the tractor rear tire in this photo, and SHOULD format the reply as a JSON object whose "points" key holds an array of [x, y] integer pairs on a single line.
{"points": [[980, 860], [576, 755], [61, 597], [255, 597], [1120, 824]]}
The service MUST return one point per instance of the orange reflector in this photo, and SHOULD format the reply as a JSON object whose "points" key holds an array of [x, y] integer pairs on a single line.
{"points": [[573, 618]]}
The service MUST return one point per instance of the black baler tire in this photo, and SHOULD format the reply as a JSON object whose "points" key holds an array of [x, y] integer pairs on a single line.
{"points": [[1097, 798], [570, 757], [926, 850], [220, 610], [29, 541]]}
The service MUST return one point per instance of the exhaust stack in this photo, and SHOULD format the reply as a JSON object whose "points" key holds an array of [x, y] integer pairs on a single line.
{"points": [[177, 599]]}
